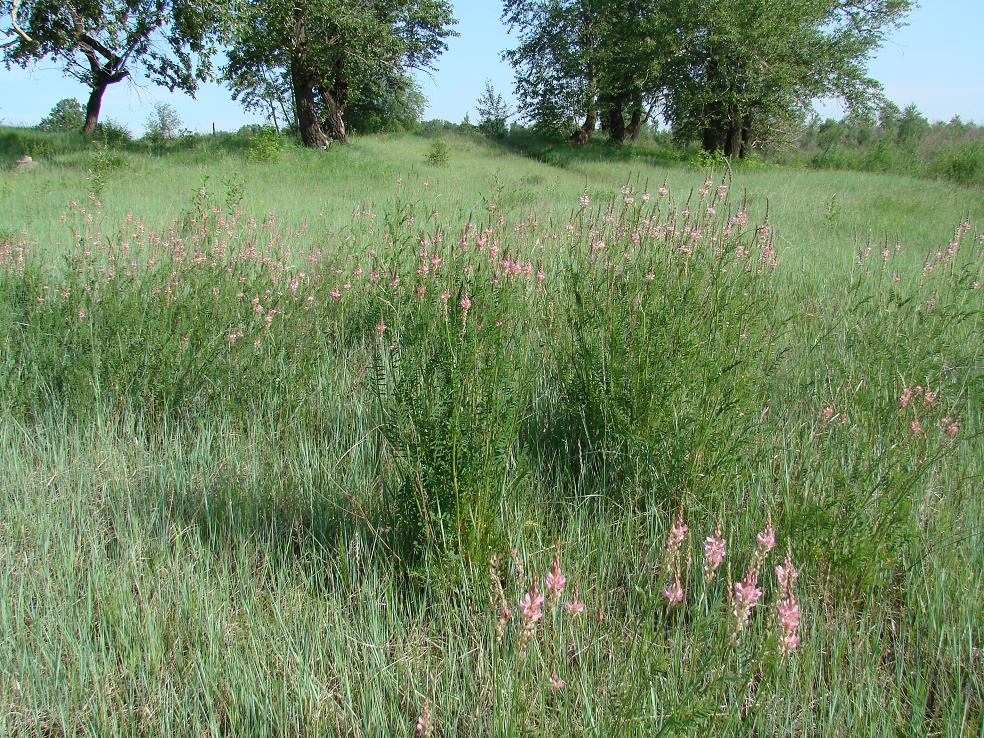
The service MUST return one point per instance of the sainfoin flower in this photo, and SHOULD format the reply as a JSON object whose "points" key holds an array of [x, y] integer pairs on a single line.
{"points": [[787, 609], [555, 579], [714, 552], [424, 727], [555, 681], [674, 592]]}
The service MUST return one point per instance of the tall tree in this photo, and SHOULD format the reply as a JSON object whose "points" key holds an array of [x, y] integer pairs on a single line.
{"points": [[329, 50], [576, 58], [747, 68], [101, 42]]}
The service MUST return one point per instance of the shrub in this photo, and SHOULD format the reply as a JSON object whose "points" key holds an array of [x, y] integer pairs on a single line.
{"points": [[67, 115], [439, 154]]}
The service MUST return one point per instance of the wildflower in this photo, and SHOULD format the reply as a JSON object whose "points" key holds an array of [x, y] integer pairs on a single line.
{"points": [[663, 192], [746, 594], [531, 608], [573, 605], [81, 314], [930, 397], [787, 610], [827, 413], [645, 197], [906, 397], [424, 727], [714, 552], [674, 592], [915, 426], [381, 326], [336, 293], [555, 579], [445, 296], [767, 538], [585, 199], [465, 303], [555, 681]]}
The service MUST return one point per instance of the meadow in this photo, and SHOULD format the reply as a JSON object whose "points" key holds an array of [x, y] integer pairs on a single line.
{"points": [[425, 437]]}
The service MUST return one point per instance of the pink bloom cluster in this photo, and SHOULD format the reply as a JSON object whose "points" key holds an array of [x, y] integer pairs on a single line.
{"points": [[674, 542], [787, 610]]}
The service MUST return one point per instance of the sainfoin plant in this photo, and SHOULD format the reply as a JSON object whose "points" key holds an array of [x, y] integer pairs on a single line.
{"points": [[495, 470]]}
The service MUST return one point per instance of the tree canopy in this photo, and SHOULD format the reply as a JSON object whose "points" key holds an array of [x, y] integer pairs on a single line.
{"points": [[720, 71], [331, 53], [101, 42]]}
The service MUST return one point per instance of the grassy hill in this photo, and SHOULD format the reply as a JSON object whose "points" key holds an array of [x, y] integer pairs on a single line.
{"points": [[423, 436]]}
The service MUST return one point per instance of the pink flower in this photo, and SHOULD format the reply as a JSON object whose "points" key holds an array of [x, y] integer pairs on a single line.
{"points": [[555, 579], [531, 606], [445, 296], [788, 616], [915, 426], [465, 303], [714, 552], [766, 539], [574, 606], [424, 727], [555, 681], [381, 326], [787, 575], [674, 592], [827, 413]]}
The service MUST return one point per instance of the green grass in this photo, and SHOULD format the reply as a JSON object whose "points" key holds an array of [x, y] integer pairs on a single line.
{"points": [[229, 509]]}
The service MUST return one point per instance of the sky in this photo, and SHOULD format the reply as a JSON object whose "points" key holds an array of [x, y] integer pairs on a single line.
{"points": [[935, 62]]}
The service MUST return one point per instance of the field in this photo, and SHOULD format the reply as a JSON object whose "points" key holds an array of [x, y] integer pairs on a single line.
{"points": [[424, 437]]}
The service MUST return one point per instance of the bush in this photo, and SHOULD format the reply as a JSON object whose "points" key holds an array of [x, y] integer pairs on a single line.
{"points": [[67, 115], [113, 133], [439, 154], [266, 145], [164, 124]]}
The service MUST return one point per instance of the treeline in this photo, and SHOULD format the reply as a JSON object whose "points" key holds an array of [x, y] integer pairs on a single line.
{"points": [[894, 141]]}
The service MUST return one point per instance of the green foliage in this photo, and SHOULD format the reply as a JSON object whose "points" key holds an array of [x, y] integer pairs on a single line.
{"points": [[439, 154], [329, 57], [265, 145], [102, 42], [162, 125], [903, 142], [67, 115], [493, 113]]}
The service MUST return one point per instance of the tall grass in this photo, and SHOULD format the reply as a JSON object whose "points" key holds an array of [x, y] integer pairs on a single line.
{"points": [[265, 474]]}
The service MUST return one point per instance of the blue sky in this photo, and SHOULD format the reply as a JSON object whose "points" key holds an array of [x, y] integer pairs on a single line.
{"points": [[935, 62]]}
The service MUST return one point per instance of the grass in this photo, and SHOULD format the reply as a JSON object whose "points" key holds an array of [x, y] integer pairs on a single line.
{"points": [[230, 509]]}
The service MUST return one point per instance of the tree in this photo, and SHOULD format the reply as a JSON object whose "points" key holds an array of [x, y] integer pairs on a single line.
{"points": [[393, 103], [722, 71], [67, 115], [101, 42], [492, 112], [749, 68], [330, 51], [579, 58], [163, 124]]}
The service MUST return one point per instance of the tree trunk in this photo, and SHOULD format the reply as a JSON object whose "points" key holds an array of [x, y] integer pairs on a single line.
{"points": [[93, 106], [746, 135], [635, 124], [616, 122], [333, 115], [312, 134]]}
